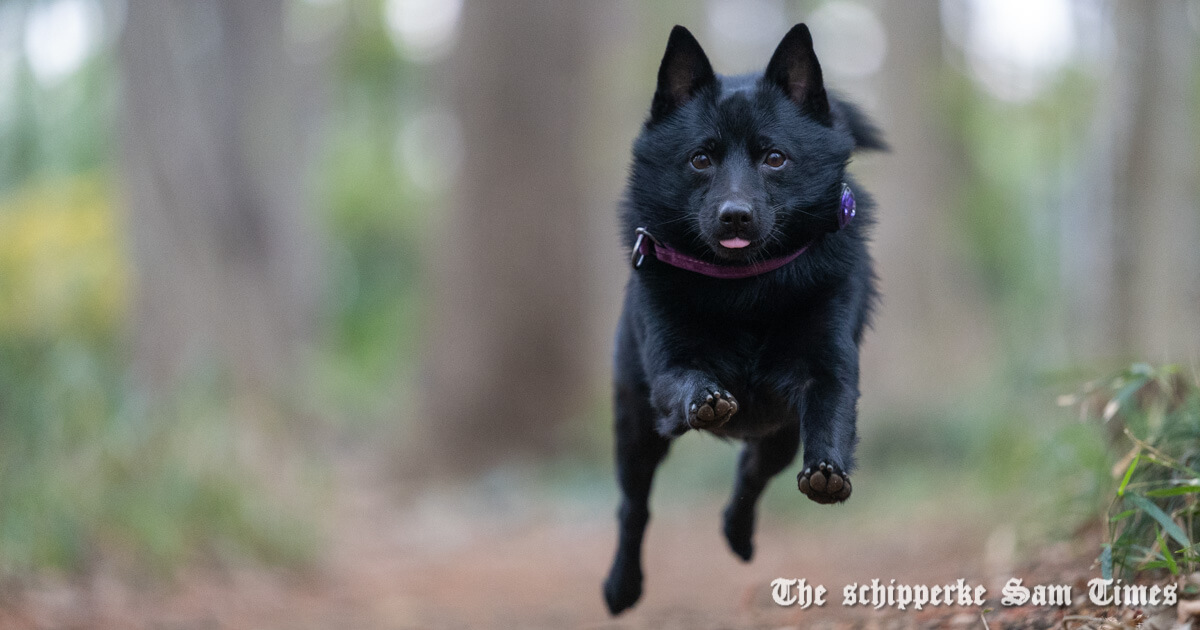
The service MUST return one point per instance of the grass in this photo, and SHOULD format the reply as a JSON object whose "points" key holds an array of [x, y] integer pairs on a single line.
{"points": [[1152, 416]]}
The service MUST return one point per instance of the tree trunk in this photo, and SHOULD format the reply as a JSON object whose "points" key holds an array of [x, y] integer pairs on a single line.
{"points": [[1158, 226], [930, 333], [214, 128], [1138, 226], [509, 354]]}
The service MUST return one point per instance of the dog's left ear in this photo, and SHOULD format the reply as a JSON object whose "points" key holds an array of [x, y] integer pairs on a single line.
{"points": [[684, 71], [794, 68]]}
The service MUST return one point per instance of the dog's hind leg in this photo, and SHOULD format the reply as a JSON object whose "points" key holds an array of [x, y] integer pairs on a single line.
{"points": [[639, 450], [760, 460]]}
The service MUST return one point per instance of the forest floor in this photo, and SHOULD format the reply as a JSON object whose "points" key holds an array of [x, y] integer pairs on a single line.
{"points": [[476, 558]]}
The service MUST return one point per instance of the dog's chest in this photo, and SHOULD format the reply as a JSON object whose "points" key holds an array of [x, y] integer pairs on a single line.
{"points": [[763, 369]]}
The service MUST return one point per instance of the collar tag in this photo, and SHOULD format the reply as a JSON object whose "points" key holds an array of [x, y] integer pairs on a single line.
{"points": [[849, 209]]}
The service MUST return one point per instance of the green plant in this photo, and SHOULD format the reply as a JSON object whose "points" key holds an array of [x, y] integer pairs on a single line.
{"points": [[87, 466], [1153, 418]]}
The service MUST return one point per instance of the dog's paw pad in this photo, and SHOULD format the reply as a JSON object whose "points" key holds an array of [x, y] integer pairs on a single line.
{"points": [[714, 410], [824, 483]]}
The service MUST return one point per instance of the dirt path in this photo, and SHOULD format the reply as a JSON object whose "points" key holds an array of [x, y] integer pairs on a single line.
{"points": [[443, 567], [448, 559]]}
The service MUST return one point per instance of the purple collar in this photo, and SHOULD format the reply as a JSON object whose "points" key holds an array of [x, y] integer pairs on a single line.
{"points": [[647, 245]]}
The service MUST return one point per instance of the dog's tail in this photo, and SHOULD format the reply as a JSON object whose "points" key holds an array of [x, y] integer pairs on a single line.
{"points": [[867, 136]]}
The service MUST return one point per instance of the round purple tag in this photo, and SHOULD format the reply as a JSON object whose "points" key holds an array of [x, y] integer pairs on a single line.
{"points": [[848, 207]]}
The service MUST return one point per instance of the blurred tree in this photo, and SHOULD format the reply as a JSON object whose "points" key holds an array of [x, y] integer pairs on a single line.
{"points": [[509, 354], [1141, 296], [215, 114], [932, 334]]}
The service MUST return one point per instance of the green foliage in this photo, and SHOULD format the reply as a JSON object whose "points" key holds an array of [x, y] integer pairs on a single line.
{"points": [[86, 467], [56, 130], [378, 225], [1007, 188], [83, 465], [1153, 417]]}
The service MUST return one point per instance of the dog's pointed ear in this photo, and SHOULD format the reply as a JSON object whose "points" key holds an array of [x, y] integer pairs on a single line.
{"points": [[867, 136], [794, 68], [684, 71]]}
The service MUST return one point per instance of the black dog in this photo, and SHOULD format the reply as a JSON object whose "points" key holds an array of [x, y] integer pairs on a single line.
{"points": [[751, 289]]}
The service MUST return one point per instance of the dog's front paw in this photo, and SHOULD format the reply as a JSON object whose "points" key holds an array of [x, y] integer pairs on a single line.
{"points": [[711, 408], [824, 483]]}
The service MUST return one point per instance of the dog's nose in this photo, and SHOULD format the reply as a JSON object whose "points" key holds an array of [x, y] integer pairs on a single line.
{"points": [[735, 214]]}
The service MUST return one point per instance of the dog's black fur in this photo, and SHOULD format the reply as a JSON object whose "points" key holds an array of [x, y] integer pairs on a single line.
{"points": [[771, 359]]}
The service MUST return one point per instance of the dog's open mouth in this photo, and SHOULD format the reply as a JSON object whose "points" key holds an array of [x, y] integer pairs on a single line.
{"points": [[734, 248], [734, 243]]}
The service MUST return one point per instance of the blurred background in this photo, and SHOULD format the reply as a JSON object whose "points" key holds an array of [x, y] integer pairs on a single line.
{"points": [[305, 305]]}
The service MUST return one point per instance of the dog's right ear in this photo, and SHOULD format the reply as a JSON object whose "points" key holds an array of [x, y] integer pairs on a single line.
{"points": [[867, 136], [795, 69], [684, 72]]}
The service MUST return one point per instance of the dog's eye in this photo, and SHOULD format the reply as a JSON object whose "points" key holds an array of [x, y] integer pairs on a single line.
{"points": [[775, 159], [701, 161]]}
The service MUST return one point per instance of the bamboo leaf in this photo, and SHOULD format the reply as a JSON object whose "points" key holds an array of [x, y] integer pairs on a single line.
{"points": [[1122, 397], [1106, 562], [1122, 515], [1153, 511], [1128, 473], [1170, 560], [1172, 492]]}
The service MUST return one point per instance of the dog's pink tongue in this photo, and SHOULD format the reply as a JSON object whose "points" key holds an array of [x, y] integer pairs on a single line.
{"points": [[734, 243]]}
